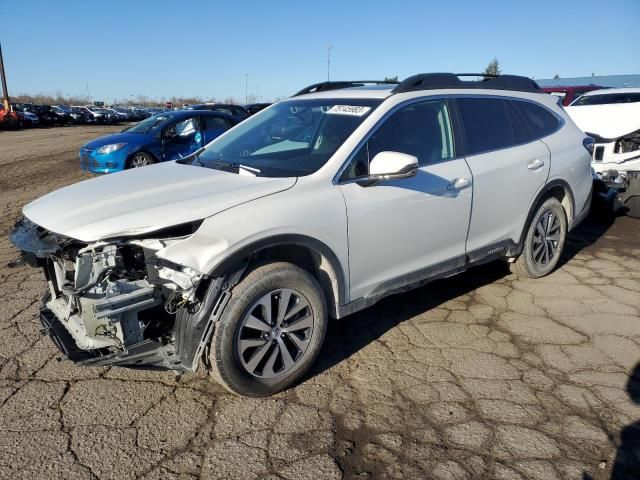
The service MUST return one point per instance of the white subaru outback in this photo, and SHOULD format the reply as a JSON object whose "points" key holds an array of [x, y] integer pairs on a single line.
{"points": [[314, 208]]}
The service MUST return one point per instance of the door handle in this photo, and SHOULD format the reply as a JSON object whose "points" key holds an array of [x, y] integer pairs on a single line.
{"points": [[535, 164], [459, 184]]}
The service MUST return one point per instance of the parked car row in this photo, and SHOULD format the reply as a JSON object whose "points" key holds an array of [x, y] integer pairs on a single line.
{"points": [[31, 115]]}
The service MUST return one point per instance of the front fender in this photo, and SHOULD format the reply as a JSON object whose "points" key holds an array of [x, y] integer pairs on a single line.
{"points": [[314, 216]]}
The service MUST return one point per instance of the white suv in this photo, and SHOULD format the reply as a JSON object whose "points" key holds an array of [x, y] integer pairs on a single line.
{"points": [[316, 207]]}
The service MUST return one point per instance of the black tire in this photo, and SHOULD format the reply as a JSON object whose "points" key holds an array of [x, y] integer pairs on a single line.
{"points": [[227, 366], [140, 159], [529, 263]]}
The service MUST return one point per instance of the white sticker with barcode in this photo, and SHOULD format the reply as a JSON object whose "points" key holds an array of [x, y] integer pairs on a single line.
{"points": [[355, 110]]}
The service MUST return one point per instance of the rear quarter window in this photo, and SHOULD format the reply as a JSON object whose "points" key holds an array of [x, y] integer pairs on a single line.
{"points": [[486, 124], [539, 121]]}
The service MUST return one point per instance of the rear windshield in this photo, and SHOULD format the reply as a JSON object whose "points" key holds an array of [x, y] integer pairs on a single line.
{"points": [[608, 98]]}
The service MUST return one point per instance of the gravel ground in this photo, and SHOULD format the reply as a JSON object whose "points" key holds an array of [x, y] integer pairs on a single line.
{"points": [[483, 375]]}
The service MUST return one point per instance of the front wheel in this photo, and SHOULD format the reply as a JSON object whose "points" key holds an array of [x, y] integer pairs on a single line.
{"points": [[140, 159], [543, 242], [271, 331]]}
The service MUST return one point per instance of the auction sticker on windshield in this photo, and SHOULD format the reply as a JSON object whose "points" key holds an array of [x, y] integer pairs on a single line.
{"points": [[355, 110]]}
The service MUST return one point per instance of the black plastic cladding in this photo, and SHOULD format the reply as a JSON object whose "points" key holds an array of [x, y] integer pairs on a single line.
{"points": [[432, 81]]}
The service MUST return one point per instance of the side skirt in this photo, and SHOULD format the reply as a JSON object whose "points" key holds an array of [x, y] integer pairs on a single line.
{"points": [[410, 281]]}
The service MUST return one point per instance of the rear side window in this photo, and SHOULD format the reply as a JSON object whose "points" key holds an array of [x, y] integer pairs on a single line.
{"points": [[486, 123], [215, 123], [521, 133], [538, 120]]}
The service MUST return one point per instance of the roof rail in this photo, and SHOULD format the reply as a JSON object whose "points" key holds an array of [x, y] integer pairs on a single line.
{"points": [[324, 86], [431, 81]]}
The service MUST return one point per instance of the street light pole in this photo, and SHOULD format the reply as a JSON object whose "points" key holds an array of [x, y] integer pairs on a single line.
{"points": [[246, 88], [5, 94], [329, 47]]}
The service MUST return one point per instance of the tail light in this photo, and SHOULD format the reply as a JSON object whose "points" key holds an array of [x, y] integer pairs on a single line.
{"points": [[589, 144]]}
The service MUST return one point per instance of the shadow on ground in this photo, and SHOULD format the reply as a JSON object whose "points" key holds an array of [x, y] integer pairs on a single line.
{"points": [[347, 336], [627, 463]]}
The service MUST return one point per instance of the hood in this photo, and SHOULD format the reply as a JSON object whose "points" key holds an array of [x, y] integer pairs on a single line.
{"points": [[146, 199], [608, 121], [122, 137]]}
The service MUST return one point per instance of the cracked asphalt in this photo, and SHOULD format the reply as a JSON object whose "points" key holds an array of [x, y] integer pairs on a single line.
{"points": [[484, 375]]}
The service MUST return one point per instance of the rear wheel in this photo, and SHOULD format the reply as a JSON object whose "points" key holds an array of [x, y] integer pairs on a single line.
{"points": [[543, 242], [270, 332], [140, 159]]}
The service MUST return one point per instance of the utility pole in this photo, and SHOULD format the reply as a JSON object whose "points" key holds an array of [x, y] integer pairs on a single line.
{"points": [[5, 94], [246, 87], [329, 47], [258, 94]]}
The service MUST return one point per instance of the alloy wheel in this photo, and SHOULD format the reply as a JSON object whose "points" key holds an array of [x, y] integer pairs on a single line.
{"points": [[546, 238], [139, 161], [275, 332]]}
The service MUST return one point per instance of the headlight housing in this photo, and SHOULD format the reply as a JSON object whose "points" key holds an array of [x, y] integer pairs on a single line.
{"points": [[110, 148]]}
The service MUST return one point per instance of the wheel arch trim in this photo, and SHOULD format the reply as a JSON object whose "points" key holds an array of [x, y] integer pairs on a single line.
{"points": [[543, 194], [283, 240]]}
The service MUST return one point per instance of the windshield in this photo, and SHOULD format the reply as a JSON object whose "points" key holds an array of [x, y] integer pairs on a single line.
{"points": [[608, 98], [290, 139], [148, 124]]}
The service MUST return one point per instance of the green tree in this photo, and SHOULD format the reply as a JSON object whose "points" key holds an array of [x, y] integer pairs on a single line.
{"points": [[556, 76], [493, 68], [391, 79]]}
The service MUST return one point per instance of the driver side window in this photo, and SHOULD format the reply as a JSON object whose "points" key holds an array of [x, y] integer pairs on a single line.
{"points": [[183, 130], [420, 129]]}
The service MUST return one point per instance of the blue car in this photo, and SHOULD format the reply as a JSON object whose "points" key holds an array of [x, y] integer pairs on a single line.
{"points": [[165, 136]]}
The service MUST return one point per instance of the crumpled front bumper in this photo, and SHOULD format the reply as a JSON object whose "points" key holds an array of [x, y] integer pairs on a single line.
{"points": [[120, 320], [146, 354]]}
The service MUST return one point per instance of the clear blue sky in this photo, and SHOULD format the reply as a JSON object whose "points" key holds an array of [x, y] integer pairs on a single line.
{"points": [[183, 47]]}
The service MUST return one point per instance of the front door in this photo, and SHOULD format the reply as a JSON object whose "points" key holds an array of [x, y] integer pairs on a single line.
{"points": [[181, 138], [405, 229]]}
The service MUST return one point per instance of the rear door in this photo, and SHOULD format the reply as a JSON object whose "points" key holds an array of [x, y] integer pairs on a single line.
{"points": [[508, 167], [214, 126]]}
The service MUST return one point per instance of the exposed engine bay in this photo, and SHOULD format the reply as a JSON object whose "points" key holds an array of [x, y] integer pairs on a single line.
{"points": [[621, 154], [111, 297]]}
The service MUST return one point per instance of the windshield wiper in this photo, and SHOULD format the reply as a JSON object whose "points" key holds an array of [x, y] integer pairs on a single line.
{"points": [[255, 171], [233, 166]]}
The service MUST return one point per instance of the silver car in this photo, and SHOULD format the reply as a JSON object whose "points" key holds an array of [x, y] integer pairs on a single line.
{"points": [[314, 208]]}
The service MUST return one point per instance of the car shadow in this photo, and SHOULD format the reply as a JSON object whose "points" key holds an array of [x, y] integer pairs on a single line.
{"points": [[587, 233], [626, 465], [347, 336]]}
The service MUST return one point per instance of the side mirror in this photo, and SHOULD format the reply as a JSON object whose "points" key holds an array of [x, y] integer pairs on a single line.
{"points": [[391, 165]]}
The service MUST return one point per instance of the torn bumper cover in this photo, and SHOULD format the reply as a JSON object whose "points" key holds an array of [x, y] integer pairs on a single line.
{"points": [[113, 302]]}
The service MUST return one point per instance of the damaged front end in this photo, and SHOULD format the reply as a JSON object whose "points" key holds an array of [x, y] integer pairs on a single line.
{"points": [[112, 302], [613, 158], [616, 164]]}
